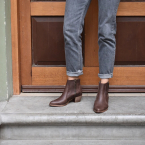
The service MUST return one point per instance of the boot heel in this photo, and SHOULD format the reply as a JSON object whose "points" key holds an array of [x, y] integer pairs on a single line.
{"points": [[78, 99]]}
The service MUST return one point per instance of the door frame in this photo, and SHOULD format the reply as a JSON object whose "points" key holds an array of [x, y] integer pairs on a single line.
{"points": [[125, 9], [15, 47]]}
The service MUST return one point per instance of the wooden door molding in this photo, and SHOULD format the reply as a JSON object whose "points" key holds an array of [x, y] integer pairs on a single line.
{"points": [[58, 8], [91, 35], [15, 48], [57, 76], [25, 41], [131, 9], [47, 8]]}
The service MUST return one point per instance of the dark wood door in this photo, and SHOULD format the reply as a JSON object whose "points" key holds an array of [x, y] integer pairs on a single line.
{"points": [[42, 44]]}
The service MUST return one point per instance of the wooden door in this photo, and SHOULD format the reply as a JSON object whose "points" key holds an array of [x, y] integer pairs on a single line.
{"points": [[42, 46]]}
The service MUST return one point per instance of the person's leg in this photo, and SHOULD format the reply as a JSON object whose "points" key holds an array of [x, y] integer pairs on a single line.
{"points": [[106, 37], [75, 12], [107, 47]]}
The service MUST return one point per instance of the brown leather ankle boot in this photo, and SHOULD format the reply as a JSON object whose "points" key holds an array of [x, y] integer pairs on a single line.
{"points": [[102, 98], [72, 92]]}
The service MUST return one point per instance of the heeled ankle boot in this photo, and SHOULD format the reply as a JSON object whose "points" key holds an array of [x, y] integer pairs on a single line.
{"points": [[102, 98], [72, 92]]}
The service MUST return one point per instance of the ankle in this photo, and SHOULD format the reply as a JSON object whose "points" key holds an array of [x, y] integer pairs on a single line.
{"points": [[104, 81], [73, 78]]}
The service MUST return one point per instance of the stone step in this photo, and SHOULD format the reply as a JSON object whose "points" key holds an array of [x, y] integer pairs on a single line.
{"points": [[30, 118], [72, 142]]}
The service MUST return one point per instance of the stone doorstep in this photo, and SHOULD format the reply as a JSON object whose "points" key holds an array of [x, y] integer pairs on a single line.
{"points": [[36, 110], [30, 118]]}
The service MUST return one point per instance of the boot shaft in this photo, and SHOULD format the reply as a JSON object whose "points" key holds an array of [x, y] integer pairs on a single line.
{"points": [[74, 85]]}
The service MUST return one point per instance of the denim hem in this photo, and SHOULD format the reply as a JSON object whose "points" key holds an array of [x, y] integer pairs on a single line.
{"points": [[105, 76], [78, 73]]}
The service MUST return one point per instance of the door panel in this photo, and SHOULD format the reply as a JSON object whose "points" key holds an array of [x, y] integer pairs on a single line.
{"points": [[42, 47], [130, 41], [48, 41]]}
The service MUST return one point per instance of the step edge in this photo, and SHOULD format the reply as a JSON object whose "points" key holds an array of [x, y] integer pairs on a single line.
{"points": [[70, 119]]}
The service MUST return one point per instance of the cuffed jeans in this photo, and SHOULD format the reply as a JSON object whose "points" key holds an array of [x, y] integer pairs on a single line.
{"points": [[75, 12]]}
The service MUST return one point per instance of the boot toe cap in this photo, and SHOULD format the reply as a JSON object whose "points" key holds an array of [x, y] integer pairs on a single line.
{"points": [[53, 103]]}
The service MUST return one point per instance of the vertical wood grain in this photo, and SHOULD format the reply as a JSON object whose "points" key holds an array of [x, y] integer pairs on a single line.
{"points": [[91, 35], [25, 41], [15, 48]]}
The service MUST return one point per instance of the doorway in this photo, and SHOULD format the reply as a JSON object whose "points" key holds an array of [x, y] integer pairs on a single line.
{"points": [[42, 57]]}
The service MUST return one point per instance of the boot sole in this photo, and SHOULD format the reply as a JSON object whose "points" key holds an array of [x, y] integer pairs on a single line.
{"points": [[75, 100], [100, 111]]}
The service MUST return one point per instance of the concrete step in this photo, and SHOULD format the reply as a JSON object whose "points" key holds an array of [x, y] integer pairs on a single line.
{"points": [[30, 118], [73, 142]]}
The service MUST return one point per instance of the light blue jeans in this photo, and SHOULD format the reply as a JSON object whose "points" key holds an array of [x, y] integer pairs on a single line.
{"points": [[75, 12]]}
